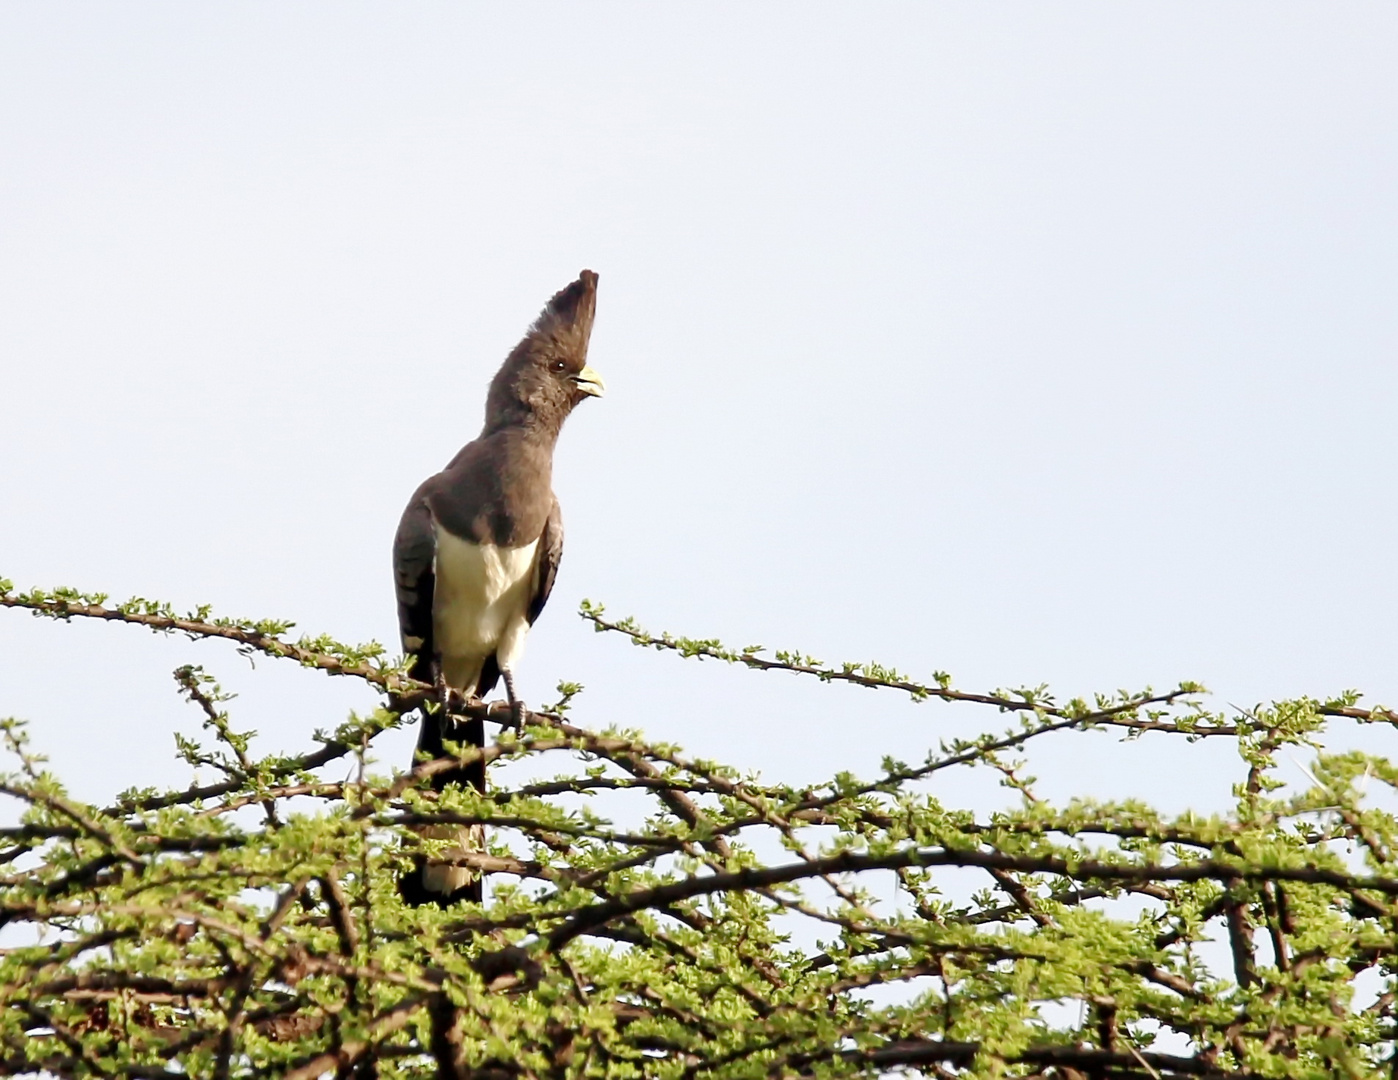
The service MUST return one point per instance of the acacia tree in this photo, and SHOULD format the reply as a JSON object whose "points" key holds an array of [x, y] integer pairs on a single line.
{"points": [[650, 914]]}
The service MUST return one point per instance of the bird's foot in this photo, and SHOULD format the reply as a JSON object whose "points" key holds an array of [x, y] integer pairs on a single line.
{"points": [[516, 706], [452, 702], [443, 692]]}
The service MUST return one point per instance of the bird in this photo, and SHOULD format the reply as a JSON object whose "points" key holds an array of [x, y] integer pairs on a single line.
{"points": [[476, 554]]}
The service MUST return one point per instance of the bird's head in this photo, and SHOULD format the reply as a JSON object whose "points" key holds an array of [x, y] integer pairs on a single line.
{"points": [[547, 374]]}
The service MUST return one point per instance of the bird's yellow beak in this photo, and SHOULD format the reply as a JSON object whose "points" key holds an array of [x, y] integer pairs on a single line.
{"points": [[589, 382]]}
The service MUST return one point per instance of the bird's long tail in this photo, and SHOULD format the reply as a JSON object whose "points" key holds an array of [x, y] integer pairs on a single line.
{"points": [[438, 880]]}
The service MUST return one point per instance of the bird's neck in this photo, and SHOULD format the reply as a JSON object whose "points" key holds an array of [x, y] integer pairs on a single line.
{"points": [[527, 427]]}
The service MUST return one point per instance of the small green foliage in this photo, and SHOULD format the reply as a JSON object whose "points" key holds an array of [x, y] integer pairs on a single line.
{"points": [[655, 915]]}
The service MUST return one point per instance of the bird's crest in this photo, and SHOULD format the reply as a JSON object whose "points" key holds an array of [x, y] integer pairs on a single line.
{"points": [[567, 318]]}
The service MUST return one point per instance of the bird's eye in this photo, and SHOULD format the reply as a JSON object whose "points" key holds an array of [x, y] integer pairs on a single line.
{"points": [[558, 365]]}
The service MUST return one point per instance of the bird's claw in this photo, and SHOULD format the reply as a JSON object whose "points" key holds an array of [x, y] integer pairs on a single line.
{"points": [[516, 706], [443, 693]]}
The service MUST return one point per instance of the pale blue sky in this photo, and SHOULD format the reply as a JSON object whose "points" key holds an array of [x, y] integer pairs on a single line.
{"points": [[1036, 343]]}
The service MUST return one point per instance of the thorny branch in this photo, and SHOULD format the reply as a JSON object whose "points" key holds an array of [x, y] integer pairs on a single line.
{"points": [[652, 914]]}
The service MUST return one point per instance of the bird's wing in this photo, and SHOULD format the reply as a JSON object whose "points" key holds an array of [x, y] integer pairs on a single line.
{"points": [[550, 555], [414, 579]]}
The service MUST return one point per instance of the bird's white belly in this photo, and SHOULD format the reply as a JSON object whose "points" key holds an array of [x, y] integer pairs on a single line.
{"points": [[480, 605]]}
